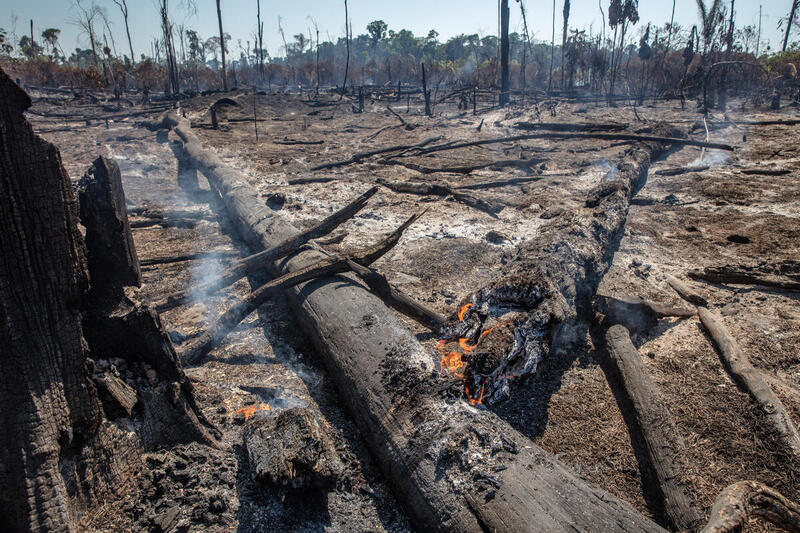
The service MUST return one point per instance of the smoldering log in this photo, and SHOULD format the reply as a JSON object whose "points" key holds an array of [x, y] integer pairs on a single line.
{"points": [[549, 281], [664, 446], [466, 169], [425, 445]]}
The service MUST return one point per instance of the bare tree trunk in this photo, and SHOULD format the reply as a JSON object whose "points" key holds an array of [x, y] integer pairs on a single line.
{"points": [[260, 26], [795, 3], [347, 40], [504, 44], [564, 40], [222, 45], [552, 49]]}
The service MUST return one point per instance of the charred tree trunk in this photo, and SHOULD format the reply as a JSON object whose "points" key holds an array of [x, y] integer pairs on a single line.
{"points": [[548, 283], [425, 443], [59, 452], [47, 403], [504, 45]]}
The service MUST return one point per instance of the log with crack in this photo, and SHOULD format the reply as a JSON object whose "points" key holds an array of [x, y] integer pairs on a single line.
{"points": [[548, 282], [454, 467]]}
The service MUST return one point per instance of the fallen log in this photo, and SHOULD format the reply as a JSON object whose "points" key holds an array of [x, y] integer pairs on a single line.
{"points": [[258, 260], [440, 189], [739, 277], [744, 500], [187, 257], [578, 135], [744, 373], [664, 446], [570, 126], [493, 165], [679, 171], [358, 157], [304, 181], [685, 292], [548, 282], [290, 142], [453, 467], [231, 318], [765, 171]]}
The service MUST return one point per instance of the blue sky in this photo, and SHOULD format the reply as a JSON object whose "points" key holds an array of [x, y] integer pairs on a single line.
{"points": [[448, 17]]}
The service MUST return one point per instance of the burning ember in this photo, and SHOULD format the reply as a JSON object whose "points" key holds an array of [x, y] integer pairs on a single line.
{"points": [[452, 362], [250, 410]]}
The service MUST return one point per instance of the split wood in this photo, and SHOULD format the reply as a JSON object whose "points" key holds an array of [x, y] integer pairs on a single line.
{"points": [[231, 318], [257, 261], [745, 374]]}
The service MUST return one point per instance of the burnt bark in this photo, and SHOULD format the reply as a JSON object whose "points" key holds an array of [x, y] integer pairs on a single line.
{"points": [[425, 440], [112, 256], [60, 451], [48, 406], [547, 286]]}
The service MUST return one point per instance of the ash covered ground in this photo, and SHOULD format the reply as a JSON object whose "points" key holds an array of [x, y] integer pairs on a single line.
{"points": [[715, 215]]}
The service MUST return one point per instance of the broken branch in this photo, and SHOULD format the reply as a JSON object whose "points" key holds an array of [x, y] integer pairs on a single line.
{"points": [[332, 265], [256, 261]]}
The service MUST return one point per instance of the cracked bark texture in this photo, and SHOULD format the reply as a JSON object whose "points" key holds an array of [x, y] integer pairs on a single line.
{"points": [[48, 407]]}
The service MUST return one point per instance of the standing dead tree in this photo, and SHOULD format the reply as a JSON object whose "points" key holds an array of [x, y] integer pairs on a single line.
{"points": [[564, 31], [85, 21], [123, 7], [62, 408], [789, 22], [505, 81], [222, 46], [347, 43], [260, 40]]}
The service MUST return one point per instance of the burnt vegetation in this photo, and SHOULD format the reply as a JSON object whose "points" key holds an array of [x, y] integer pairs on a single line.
{"points": [[400, 283]]}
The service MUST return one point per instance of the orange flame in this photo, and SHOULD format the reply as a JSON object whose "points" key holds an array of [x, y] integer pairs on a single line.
{"points": [[463, 310], [250, 410], [452, 364], [479, 399]]}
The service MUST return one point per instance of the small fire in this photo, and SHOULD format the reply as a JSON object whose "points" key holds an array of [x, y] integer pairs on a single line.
{"points": [[452, 364], [463, 310], [250, 410], [479, 399]]}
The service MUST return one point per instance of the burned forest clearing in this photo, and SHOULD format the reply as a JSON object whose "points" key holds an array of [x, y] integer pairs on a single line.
{"points": [[391, 282], [487, 185]]}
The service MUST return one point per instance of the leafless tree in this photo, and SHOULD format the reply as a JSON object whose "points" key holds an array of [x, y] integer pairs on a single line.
{"points": [[85, 21], [222, 45], [789, 22], [316, 28], [347, 40], [123, 7], [260, 40], [564, 39]]}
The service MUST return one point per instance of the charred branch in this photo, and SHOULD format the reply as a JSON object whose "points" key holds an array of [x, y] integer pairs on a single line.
{"points": [[744, 500], [440, 189]]}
